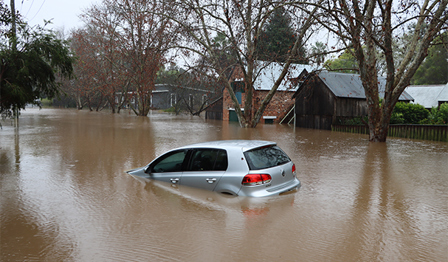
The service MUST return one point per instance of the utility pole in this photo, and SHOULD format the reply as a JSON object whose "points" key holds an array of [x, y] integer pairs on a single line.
{"points": [[14, 49], [13, 26]]}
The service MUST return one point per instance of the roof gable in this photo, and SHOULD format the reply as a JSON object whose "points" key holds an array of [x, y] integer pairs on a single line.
{"points": [[271, 71], [428, 95]]}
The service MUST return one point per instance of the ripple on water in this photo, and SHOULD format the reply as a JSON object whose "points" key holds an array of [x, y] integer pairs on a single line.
{"points": [[65, 195]]}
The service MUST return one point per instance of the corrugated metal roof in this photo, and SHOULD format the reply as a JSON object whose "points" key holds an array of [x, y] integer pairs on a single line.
{"points": [[428, 95], [342, 84], [443, 97], [270, 73], [350, 85]]}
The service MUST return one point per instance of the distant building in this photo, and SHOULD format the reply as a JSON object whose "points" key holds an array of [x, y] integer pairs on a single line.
{"points": [[429, 96], [324, 97], [166, 96], [281, 103]]}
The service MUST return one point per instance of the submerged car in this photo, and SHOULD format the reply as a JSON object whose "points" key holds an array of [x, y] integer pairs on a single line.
{"points": [[235, 167]]}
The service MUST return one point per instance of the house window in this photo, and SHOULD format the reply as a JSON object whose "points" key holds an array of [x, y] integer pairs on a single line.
{"points": [[204, 100], [269, 119], [238, 97], [190, 100], [173, 100], [238, 88]]}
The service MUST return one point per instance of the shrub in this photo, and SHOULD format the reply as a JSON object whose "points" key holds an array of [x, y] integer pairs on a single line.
{"points": [[396, 118], [352, 121], [438, 116], [407, 113], [170, 110]]}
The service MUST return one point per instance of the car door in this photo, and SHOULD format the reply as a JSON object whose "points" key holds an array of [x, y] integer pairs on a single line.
{"points": [[168, 167], [205, 168]]}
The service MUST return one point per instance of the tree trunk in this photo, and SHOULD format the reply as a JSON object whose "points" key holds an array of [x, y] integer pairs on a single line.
{"points": [[378, 132]]}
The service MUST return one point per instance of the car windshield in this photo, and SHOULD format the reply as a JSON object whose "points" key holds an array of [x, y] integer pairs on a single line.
{"points": [[266, 157]]}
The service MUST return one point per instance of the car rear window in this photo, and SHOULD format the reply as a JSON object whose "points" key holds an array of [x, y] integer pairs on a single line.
{"points": [[266, 157]]}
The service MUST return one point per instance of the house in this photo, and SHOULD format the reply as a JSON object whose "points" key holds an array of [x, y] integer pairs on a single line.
{"points": [[324, 97], [429, 96], [165, 96], [280, 104]]}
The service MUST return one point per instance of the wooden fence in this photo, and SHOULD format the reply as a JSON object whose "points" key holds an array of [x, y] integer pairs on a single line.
{"points": [[425, 132]]}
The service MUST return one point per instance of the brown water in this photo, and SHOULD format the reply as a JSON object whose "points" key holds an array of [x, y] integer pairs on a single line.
{"points": [[65, 195]]}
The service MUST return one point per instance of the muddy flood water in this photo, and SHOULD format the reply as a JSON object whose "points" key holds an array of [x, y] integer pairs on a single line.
{"points": [[65, 195]]}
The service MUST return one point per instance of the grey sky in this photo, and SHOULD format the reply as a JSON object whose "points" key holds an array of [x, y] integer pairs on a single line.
{"points": [[63, 12]]}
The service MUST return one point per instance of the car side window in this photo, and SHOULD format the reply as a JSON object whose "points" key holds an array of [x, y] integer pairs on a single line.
{"points": [[208, 160], [171, 162]]}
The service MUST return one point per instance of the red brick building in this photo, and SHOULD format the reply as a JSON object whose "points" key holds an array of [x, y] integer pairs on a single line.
{"points": [[282, 102]]}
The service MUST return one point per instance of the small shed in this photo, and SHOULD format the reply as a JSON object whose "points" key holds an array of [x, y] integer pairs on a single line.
{"points": [[323, 97]]}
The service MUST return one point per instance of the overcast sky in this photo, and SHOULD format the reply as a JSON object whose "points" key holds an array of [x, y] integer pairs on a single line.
{"points": [[63, 12]]}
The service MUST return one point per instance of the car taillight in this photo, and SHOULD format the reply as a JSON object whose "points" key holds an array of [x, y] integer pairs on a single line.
{"points": [[293, 169], [256, 179]]}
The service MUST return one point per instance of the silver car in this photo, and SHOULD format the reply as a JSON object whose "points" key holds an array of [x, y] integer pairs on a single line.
{"points": [[235, 167]]}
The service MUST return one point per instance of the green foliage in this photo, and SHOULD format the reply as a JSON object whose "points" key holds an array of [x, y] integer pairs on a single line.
{"points": [[29, 70], [438, 116], [407, 113], [345, 63], [397, 118], [277, 39], [353, 121], [171, 75], [47, 102], [170, 110], [434, 69], [318, 51]]}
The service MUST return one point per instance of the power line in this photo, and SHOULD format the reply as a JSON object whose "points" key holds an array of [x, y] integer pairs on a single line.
{"points": [[32, 3], [39, 9], [29, 9]]}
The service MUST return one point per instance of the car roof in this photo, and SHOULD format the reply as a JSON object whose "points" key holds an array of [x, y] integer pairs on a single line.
{"points": [[244, 145]]}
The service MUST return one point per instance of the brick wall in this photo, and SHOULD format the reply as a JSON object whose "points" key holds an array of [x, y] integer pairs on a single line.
{"points": [[279, 106]]}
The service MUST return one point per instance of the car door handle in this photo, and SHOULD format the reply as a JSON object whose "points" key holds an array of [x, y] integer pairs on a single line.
{"points": [[210, 180], [174, 180]]}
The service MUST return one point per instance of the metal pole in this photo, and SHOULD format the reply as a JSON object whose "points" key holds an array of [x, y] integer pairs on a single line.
{"points": [[14, 49]]}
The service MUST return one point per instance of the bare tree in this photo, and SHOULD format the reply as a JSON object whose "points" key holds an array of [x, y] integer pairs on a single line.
{"points": [[87, 88], [369, 28], [127, 41], [241, 22], [103, 25]]}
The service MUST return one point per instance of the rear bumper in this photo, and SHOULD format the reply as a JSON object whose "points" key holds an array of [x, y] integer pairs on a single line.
{"points": [[263, 191]]}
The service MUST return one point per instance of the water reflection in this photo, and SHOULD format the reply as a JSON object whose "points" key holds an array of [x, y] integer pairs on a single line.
{"points": [[65, 196]]}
